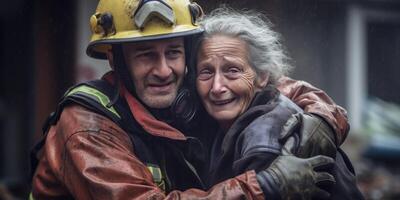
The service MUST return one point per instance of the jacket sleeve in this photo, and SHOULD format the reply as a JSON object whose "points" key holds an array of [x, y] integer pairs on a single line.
{"points": [[314, 100], [88, 156]]}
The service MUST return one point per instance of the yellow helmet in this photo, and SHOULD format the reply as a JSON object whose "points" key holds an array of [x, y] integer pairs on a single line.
{"points": [[121, 21]]}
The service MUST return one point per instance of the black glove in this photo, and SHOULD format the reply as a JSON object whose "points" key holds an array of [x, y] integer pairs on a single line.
{"points": [[289, 177], [305, 135]]}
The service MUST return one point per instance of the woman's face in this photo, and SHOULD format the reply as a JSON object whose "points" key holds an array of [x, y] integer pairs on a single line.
{"points": [[225, 81]]}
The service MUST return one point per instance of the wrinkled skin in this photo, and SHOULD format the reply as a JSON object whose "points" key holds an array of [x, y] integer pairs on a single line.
{"points": [[226, 82]]}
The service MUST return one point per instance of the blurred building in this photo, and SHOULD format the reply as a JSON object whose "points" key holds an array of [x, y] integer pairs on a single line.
{"points": [[349, 48]]}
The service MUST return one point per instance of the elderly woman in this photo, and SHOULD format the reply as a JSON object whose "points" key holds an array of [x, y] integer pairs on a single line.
{"points": [[239, 61]]}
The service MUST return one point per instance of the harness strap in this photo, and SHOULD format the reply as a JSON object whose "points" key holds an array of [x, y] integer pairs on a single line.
{"points": [[95, 95]]}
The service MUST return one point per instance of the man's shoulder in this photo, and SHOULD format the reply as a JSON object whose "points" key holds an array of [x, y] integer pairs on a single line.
{"points": [[89, 106], [75, 118], [76, 113], [286, 103]]}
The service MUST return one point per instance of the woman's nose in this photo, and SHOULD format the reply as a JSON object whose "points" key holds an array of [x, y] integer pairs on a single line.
{"points": [[218, 85]]}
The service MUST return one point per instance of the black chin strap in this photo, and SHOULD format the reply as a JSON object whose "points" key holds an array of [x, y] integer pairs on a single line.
{"points": [[121, 68], [115, 96]]}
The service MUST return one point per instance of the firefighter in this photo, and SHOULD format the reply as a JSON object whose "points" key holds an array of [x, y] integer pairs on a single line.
{"points": [[138, 134]]}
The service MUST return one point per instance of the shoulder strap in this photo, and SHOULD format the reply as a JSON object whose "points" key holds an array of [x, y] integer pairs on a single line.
{"points": [[95, 95], [90, 95]]}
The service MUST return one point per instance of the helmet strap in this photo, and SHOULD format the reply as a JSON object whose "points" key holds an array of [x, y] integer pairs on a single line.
{"points": [[121, 68], [116, 93]]}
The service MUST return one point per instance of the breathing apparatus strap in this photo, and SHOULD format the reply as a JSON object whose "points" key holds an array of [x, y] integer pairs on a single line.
{"points": [[95, 96], [186, 103]]}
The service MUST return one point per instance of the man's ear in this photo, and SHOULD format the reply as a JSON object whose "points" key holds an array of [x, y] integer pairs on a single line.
{"points": [[262, 80], [110, 58]]}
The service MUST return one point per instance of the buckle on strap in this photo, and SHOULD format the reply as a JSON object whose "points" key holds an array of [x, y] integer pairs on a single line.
{"points": [[153, 8]]}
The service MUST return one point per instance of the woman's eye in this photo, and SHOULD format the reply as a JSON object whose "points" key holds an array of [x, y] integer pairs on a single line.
{"points": [[204, 74], [233, 72]]}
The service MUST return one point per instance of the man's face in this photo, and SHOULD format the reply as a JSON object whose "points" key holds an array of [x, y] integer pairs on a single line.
{"points": [[226, 82], [157, 69]]}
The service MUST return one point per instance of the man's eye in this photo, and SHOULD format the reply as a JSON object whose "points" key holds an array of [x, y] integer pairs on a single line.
{"points": [[145, 55], [174, 53]]}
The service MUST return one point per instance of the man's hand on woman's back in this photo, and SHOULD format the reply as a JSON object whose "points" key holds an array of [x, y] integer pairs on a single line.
{"points": [[290, 177], [305, 135]]}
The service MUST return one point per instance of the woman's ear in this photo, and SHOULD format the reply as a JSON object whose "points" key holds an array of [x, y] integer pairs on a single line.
{"points": [[262, 80], [110, 58]]}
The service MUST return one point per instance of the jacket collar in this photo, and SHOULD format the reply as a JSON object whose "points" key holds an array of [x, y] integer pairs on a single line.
{"points": [[148, 122], [263, 102]]}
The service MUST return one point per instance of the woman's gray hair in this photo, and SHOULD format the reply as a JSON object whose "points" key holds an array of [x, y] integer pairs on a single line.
{"points": [[266, 53]]}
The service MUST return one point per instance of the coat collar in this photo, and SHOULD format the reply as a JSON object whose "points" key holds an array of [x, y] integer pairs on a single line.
{"points": [[148, 122]]}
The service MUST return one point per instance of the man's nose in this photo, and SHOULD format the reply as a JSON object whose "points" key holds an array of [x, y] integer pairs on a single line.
{"points": [[162, 70], [218, 85]]}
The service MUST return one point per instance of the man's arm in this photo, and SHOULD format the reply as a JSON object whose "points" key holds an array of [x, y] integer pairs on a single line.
{"points": [[96, 161], [315, 101], [89, 157]]}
